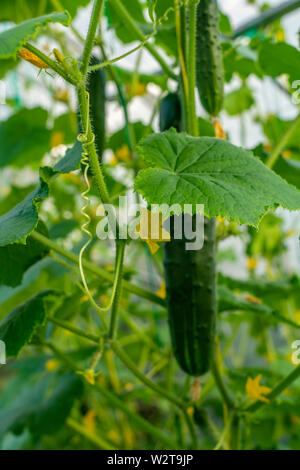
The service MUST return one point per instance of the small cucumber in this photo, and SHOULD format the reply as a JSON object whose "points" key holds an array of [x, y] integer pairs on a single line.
{"points": [[170, 112], [96, 87], [209, 58]]}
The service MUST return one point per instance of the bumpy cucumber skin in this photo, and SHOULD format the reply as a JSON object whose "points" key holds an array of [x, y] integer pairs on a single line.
{"points": [[192, 301], [190, 282], [209, 58], [96, 89]]}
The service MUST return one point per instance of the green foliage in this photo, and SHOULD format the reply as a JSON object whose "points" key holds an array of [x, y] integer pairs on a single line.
{"points": [[13, 39], [238, 101], [280, 58], [185, 169], [43, 406], [19, 222], [16, 259], [28, 128], [22, 10], [17, 329], [163, 319]]}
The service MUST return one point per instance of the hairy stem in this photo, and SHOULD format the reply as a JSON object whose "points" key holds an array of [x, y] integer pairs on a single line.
{"points": [[191, 71], [118, 275], [89, 42], [51, 63], [221, 384], [90, 146]]}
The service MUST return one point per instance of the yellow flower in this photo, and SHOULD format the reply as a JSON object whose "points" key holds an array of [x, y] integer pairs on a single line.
{"points": [[113, 435], [123, 154], [89, 421], [297, 316], [254, 300], [162, 292], [151, 231], [57, 138], [255, 391], [136, 89], [251, 263], [280, 35], [267, 147], [190, 410], [128, 387], [33, 59], [219, 131], [287, 154], [89, 376], [51, 365]]}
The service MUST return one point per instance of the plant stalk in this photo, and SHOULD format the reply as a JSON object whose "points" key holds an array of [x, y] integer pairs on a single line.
{"points": [[129, 22], [89, 42], [282, 143]]}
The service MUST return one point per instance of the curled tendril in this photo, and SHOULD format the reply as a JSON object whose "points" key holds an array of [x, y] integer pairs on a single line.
{"points": [[88, 140]]}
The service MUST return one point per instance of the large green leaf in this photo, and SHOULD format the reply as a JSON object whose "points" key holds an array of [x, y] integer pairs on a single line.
{"points": [[280, 58], [19, 222], [228, 180], [42, 406], [13, 39], [21, 10], [24, 138], [16, 259], [17, 328]]}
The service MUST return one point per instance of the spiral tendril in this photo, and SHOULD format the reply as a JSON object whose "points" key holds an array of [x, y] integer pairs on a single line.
{"points": [[86, 141]]}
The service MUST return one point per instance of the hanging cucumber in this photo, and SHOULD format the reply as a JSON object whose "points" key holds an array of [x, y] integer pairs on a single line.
{"points": [[96, 88], [170, 112], [209, 58], [190, 282], [191, 299]]}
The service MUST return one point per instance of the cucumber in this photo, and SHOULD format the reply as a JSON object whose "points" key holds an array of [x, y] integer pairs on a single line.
{"points": [[170, 112], [209, 58], [190, 283], [96, 88], [192, 300]]}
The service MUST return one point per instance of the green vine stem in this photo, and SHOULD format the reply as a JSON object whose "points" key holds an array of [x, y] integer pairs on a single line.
{"points": [[133, 27], [90, 145], [76, 331], [220, 384], [89, 42], [51, 63], [282, 143], [115, 401], [191, 69], [97, 271], [133, 368], [121, 244], [96, 440]]}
